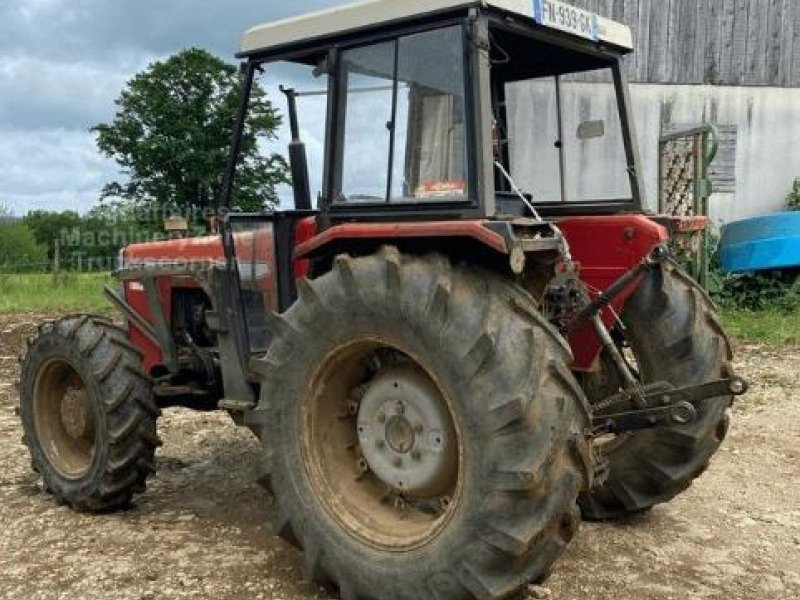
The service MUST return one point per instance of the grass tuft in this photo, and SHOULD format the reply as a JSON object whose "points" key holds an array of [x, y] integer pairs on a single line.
{"points": [[770, 326]]}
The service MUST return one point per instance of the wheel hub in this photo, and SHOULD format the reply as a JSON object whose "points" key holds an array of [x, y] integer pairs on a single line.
{"points": [[404, 432], [75, 413], [400, 434]]}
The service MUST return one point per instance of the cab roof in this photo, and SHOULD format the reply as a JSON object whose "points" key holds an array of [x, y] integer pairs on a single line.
{"points": [[346, 19]]}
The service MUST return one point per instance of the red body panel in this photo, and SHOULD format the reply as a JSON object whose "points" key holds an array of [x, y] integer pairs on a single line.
{"points": [[203, 248], [253, 248], [605, 248]]}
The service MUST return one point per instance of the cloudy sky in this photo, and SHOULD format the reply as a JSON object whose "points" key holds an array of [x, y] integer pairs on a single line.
{"points": [[62, 64]]}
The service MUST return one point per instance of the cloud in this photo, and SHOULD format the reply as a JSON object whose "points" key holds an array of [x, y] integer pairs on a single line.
{"points": [[108, 29], [40, 94], [57, 169], [62, 63]]}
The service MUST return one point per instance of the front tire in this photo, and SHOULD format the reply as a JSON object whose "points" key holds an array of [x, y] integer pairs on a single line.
{"points": [[515, 416], [87, 413]]}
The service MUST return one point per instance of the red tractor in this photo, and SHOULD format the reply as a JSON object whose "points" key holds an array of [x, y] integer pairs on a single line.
{"points": [[475, 337]]}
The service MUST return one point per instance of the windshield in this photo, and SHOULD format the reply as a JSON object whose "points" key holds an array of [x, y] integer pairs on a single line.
{"points": [[404, 116]]}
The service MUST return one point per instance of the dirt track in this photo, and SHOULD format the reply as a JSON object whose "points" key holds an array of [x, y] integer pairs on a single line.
{"points": [[201, 529]]}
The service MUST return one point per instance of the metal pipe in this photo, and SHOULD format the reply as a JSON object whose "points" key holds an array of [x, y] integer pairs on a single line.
{"points": [[632, 155], [291, 98], [562, 159], [226, 193], [392, 124], [631, 383], [298, 160]]}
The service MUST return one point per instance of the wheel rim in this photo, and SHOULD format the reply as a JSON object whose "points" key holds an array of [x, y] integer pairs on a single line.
{"points": [[64, 419], [380, 445]]}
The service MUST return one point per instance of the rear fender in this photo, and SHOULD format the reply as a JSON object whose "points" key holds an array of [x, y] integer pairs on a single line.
{"points": [[369, 236], [498, 245]]}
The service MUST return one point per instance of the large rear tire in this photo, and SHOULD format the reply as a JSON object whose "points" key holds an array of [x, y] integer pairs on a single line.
{"points": [[465, 350], [87, 413], [675, 337]]}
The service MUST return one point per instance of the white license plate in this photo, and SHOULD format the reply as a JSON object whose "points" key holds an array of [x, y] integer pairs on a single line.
{"points": [[557, 15]]}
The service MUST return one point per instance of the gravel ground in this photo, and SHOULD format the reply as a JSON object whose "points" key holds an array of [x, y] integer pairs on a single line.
{"points": [[201, 530]]}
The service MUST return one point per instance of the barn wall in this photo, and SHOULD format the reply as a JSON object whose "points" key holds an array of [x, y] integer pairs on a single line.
{"points": [[766, 159], [728, 42]]}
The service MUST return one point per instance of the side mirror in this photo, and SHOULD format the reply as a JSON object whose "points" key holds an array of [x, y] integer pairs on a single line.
{"points": [[591, 129]]}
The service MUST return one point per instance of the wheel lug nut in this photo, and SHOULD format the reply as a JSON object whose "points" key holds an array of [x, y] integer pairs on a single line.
{"points": [[381, 418], [418, 428], [380, 444], [398, 462], [416, 455], [400, 408]]}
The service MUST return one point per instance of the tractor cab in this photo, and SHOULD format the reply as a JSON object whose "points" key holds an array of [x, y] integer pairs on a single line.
{"points": [[453, 109]]}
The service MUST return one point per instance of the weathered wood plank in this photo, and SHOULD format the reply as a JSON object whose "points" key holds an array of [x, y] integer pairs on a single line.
{"points": [[684, 41], [591, 5], [774, 43], [727, 22], [739, 43], [673, 36], [796, 49], [643, 40], [659, 42], [618, 10], [723, 170], [756, 62], [630, 16], [709, 12], [788, 8], [730, 42], [707, 25], [630, 12]]}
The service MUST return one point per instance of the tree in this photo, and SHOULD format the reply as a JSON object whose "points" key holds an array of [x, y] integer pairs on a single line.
{"points": [[97, 236], [18, 247], [47, 227], [172, 133]]}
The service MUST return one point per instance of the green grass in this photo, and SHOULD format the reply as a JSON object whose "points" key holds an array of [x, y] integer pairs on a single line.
{"points": [[84, 293], [770, 326], [72, 292]]}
